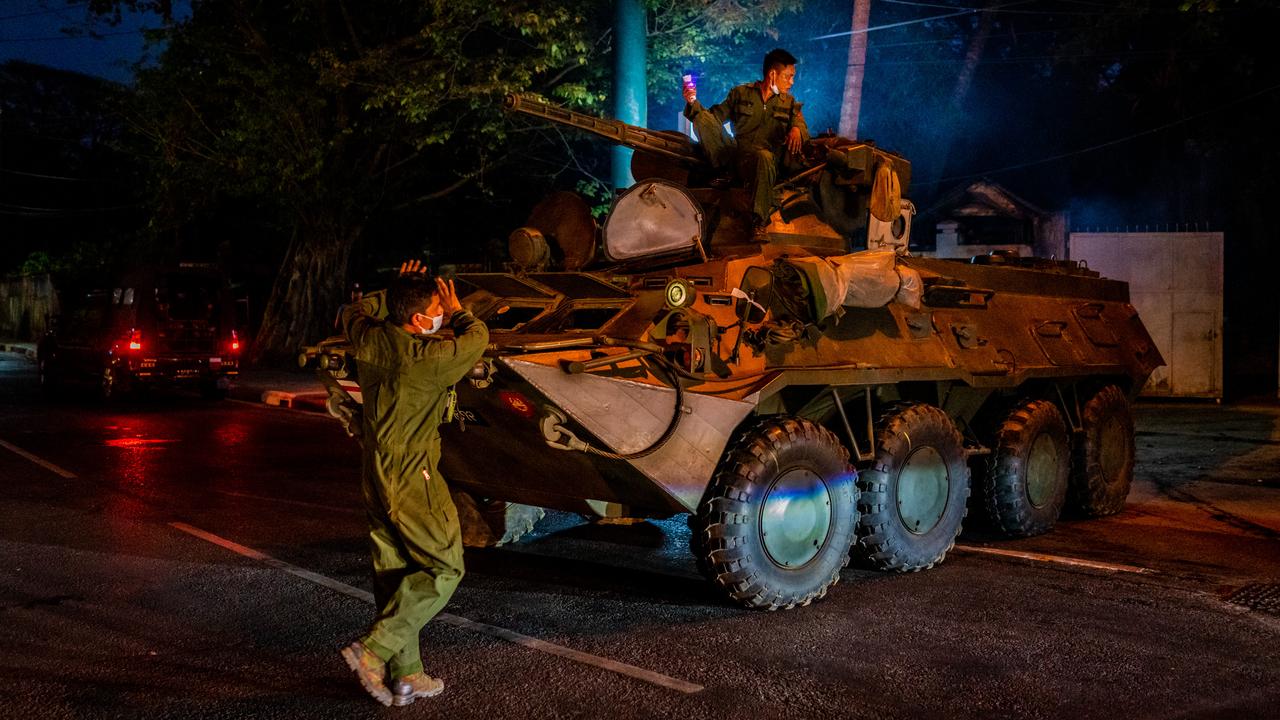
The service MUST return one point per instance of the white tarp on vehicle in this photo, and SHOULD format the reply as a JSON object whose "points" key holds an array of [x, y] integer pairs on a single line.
{"points": [[867, 279]]}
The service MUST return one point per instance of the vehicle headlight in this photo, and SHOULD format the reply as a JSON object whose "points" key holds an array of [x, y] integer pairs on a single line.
{"points": [[680, 293]]}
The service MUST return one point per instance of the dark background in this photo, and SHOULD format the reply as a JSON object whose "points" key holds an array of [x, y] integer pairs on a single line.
{"points": [[1130, 114]]}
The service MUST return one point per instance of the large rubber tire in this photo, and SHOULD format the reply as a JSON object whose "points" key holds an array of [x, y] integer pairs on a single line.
{"points": [[789, 477], [1102, 468], [1025, 485], [490, 523], [913, 496]]}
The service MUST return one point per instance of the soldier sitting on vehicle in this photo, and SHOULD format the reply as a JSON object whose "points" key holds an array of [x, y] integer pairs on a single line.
{"points": [[766, 122]]}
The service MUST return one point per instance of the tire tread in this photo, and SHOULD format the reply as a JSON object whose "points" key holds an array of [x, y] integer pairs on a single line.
{"points": [[718, 531]]}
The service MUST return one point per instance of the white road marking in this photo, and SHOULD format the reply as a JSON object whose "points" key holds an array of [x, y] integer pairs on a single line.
{"points": [[532, 643], [1057, 559], [525, 640], [38, 460], [276, 408]]}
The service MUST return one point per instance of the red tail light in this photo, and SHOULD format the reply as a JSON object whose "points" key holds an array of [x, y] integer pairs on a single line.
{"points": [[135, 340], [235, 342], [517, 403]]}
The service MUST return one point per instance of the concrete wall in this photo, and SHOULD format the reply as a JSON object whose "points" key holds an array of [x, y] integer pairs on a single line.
{"points": [[26, 302], [1175, 282]]}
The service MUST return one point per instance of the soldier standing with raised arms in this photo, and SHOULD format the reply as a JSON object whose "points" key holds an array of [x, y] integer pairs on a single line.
{"points": [[766, 120], [414, 537]]}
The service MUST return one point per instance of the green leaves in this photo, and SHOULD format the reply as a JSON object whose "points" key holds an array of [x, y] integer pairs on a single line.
{"points": [[300, 104]]}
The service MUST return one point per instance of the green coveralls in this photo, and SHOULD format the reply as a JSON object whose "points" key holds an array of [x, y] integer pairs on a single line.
{"points": [[758, 145], [414, 537]]}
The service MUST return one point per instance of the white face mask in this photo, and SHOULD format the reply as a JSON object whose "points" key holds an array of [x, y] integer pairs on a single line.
{"points": [[437, 322], [774, 89]]}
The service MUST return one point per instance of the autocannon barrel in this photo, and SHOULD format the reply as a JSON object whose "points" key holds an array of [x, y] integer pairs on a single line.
{"points": [[671, 146]]}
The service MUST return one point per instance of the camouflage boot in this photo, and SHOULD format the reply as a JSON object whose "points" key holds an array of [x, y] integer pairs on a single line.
{"points": [[369, 670], [411, 687]]}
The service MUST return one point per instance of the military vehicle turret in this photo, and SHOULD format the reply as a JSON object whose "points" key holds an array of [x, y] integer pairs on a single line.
{"points": [[838, 194], [802, 402]]}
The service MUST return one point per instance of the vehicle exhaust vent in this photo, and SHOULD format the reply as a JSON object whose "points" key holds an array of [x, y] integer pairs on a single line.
{"points": [[655, 283]]}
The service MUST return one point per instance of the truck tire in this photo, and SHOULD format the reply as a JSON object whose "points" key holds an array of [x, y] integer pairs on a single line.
{"points": [[1025, 485], [775, 527], [490, 523], [1102, 468], [913, 496]]}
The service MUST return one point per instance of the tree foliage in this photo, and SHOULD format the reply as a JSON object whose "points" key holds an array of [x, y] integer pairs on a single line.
{"points": [[328, 117], [67, 193]]}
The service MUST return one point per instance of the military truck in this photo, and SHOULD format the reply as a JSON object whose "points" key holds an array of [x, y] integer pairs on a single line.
{"points": [[817, 397], [171, 326]]}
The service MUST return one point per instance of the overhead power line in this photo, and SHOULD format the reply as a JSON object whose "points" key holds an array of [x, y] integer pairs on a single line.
{"points": [[1128, 54], [42, 176], [1003, 10], [949, 41], [1110, 143], [90, 36], [33, 14], [55, 212], [918, 21]]}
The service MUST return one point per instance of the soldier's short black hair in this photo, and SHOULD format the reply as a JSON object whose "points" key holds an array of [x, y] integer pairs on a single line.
{"points": [[776, 60], [408, 296]]}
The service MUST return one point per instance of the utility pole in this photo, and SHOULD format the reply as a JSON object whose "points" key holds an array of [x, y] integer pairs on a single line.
{"points": [[851, 105], [630, 93]]}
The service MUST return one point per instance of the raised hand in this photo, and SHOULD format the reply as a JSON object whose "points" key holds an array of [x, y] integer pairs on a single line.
{"points": [[409, 267], [448, 296]]}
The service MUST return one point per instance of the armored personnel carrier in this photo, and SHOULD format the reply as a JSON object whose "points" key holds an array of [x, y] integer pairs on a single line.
{"points": [[817, 397]]}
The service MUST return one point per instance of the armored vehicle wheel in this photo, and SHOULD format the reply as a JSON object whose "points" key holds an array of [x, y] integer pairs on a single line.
{"points": [[913, 496], [490, 523], [1026, 480], [775, 527], [1102, 468]]}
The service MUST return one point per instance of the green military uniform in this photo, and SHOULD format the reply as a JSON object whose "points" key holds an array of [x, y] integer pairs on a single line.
{"points": [[759, 137], [415, 540]]}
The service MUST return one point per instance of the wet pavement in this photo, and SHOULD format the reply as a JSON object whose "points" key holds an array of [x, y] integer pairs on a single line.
{"points": [[183, 558]]}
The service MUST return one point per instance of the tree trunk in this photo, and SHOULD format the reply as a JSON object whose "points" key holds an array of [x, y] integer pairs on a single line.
{"points": [[977, 44], [308, 289], [851, 106]]}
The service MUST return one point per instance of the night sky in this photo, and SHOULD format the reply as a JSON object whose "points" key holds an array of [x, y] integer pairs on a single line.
{"points": [[59, 34], [1007, 121]]}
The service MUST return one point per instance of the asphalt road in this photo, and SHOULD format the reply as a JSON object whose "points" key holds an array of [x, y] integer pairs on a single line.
{"points": [[191, 559]]}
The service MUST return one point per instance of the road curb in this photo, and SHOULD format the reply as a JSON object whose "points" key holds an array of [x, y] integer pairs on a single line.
{"points": [[310, 401]]}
